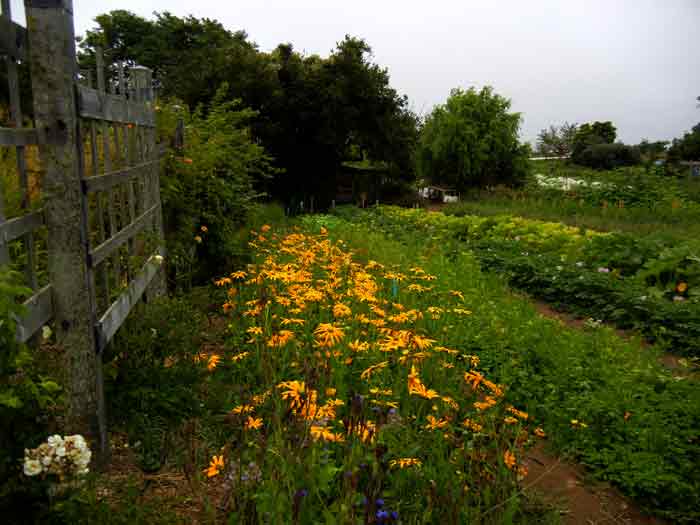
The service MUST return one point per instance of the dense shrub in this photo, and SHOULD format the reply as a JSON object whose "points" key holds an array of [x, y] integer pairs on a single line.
{"points": [[608, 156], [25, 397], [208, 187]]}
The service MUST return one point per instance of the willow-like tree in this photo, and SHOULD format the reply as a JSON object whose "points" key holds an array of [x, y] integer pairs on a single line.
{"points": [[472, 141]]}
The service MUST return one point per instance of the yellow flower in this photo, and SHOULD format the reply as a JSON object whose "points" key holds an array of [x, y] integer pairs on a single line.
{"points": [[486, 404], [435, 424], [239, 275], [405, 462], [359, 346], [457, 293], [243, 409], [216, 466], [197, 239], [472, 425], [509, 459], [265, 228], [325, 434], [416, 387], [280, 339], [366, 374], [421, 342], [519, 413], [539, 432], [294, 392], [239, 356], [341, 310], [255, 330], [223, 281], [213, 361], [204, 229], [253, 423], [327, 334], [473, 379], [510, 420], [682, 287]]}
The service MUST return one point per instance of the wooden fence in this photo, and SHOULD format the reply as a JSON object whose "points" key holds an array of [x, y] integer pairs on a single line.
{"points": [[98, 222]]}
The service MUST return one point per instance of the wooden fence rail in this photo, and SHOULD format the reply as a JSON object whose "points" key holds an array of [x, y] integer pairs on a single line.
{"points": [[100, 213]]}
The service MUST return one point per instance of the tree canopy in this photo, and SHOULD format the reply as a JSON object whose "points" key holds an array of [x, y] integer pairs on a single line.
{"points": [[472, 141], [557, 141], [313, 113], [686, 147]]}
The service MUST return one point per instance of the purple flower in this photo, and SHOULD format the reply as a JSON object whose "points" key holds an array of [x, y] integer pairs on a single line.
{"points": [[301, 493], [382, 515], [603, 270], [379, 503], [394, 515]]}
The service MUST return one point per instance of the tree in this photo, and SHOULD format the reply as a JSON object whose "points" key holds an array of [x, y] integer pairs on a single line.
{"points": [[472, 141], [652, 150], [591, 134], [557, 141], [687, 147], [311, 112]]}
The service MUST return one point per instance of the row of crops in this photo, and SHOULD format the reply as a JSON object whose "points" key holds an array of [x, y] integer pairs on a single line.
{"points": [[646, 283]]}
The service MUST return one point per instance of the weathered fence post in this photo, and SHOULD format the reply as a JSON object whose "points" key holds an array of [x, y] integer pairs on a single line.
{"points": [[54, 73]]}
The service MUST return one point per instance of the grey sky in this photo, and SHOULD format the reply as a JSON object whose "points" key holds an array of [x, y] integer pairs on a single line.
{"points": [[634, 62]]}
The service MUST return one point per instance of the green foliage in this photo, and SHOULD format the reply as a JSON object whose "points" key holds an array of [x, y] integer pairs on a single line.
{"points": [[312, 113], [26, 397], [471, 141], [687, 147], [614, 277], [608, 156], [590, 136], [557, 141], [641, 421], [151, 381], [208, 188]]}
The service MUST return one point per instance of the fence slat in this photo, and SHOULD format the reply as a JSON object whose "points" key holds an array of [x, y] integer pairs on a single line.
{"points": [[19, 226], [109, 180], [21, 161], [18, 137], [113, 108], [115, 315], [31, 137], [13, 39], [102, 251], [39, 312]]}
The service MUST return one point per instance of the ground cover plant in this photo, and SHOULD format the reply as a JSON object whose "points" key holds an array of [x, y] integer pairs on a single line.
{"points": [[640, 283]]}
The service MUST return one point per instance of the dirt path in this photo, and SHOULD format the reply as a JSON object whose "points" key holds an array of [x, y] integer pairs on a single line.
{"points": [[581, 502], [565, 485], [680, 366]]}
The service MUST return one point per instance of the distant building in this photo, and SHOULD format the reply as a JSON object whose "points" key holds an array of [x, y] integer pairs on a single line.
{"points": [[439, 194]]}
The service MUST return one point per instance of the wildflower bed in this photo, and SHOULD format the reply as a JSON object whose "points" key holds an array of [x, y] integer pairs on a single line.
{"points": [[641, 283], [379, 381], [355, 405]]}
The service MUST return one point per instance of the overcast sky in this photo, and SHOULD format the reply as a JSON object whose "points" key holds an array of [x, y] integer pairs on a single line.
{"points": [[634, 62]]}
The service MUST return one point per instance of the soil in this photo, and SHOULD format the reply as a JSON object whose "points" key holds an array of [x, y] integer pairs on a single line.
{"points": [[680, 366], [580, 501]]}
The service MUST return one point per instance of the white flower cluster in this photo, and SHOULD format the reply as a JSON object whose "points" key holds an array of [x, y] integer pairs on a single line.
{"points": [[62, 456]]}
